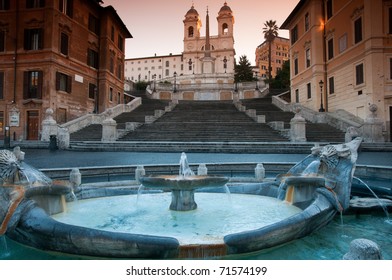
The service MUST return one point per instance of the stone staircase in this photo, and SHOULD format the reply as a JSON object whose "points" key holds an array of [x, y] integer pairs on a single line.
{"points": [[207, 121], [138, 115], [264, 106], [94, 132], [315, 132], [206, 126]]}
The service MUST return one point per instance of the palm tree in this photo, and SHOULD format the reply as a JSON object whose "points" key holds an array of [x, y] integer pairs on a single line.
{"points": [[270, 31]]}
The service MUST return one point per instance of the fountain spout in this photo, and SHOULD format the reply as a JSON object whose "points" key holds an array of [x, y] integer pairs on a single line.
{"points": [[185, 170], [183, 186], [328, 170]]}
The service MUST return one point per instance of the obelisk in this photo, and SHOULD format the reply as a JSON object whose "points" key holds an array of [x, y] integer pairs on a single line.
{"points": [[208, 62]]}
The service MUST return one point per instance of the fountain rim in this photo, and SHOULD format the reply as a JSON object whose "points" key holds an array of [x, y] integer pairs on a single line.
{"points": [[157, 246], [183, 183]]}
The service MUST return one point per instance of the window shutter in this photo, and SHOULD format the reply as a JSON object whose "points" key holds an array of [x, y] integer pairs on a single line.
{"points": [[69, 8], [390, 20], [1, 85], [58, 81], [26, 39], [64, 44], [41, 39], [40, 83], [26, 85], [69, 84], [2, 41]]}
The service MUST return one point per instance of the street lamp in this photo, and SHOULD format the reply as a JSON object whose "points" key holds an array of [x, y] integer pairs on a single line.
{"points": [[190, 64], [175, 76], [225, 63], [154, 77], [321, 84]]}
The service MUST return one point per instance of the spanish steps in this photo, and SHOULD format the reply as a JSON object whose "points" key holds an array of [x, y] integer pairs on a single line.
{"points": [[315, 132], [207, 121]]}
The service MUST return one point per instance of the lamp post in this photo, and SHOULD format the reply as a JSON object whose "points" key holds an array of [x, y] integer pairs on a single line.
{"points": [[225, 63], [321, 84], [175, 86], [154, 77], [190, 64]]}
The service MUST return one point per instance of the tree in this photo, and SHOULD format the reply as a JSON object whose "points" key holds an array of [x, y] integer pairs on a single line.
{"points": [[141, 85], [270, 31], [243, 70], [282, 78]]}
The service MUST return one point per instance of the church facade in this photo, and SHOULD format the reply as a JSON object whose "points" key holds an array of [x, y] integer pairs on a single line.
{"points": [[201, 55], [219, 48]]}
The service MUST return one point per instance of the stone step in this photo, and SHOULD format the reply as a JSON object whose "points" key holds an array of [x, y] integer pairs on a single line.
{"points": [[208, 121], [173, 146], [205, 121], [91, 133]]}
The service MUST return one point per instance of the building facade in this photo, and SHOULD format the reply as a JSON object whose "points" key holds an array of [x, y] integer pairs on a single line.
{"points": [[190, 61], [67, 55], [158, 67], [221, 46], [279, 54], [341, 57]]}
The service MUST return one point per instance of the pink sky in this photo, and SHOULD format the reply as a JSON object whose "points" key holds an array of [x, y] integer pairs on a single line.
{"points": [[157, 27]]}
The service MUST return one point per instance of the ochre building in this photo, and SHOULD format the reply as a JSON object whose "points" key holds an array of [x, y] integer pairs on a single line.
{"points": [[67, 55], [341, 57], [279, 54]]}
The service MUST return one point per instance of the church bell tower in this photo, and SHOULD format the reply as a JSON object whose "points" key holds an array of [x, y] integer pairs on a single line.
{"points": [[192, 25]]}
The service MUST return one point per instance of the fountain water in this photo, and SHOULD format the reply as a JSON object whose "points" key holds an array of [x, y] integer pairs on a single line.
{"points": [[4, 251], [379, 201], [185, 170], [183, 186], [315, 188]]}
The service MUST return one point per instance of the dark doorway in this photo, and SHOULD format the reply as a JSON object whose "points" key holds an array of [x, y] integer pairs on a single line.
{"points": [[32, 125]]}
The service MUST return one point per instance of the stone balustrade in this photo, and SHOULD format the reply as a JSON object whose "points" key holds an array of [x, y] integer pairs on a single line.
{"points": [[371, 128], [63, 131]]}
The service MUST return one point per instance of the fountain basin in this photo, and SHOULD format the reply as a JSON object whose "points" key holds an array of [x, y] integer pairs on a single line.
{"points": [[319, 186], [182, 187], [47, 233], [179, 182]]}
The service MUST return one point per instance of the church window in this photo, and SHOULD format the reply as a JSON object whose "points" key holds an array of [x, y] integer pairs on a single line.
{"points": [[190, 31], [225, 29]]}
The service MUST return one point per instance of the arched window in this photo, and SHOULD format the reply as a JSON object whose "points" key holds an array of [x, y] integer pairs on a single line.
{"points": [[190, 31], [225, 29]]}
